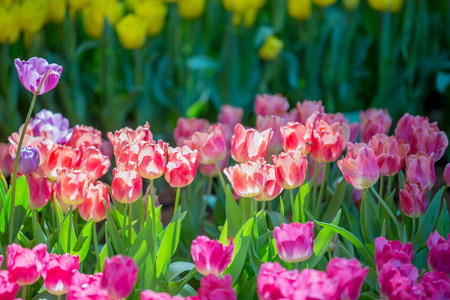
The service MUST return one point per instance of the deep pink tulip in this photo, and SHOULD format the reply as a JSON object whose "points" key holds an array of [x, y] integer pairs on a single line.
{"points": [[266, 105], [186, 128], [436, 285], [26, 265], [392, 252], [93, 206], [40, 191], [374, 121], [5, 159], [151, 295], [420, 169], [272, 122], [439, 255], [86, 287], [8, 286], [211, 144], [210, 256], [294, 241], [247, 180], [59, 158], [397, 281], [58, 273], [36, 75], [351, 276], [94, 162], [275, 282], [215, 288], [250, 144], [291, 169], [413, 199], [295, 137], [307, 108], [119, 276], [390, 153], [272, 189], [359, 166], [126, 186], [211, 170], [74, 185], [182, 166], [152, 160], [313, 284]]}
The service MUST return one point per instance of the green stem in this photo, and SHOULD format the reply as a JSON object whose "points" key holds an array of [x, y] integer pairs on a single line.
{"points": [[177, 200], [129, 228], [413, 228], [205, 202], [294, 218], [254, 217], [390, 182], [14, 175], [97, 254], [124, 225], [322, 189], [24, 292], [281, 214], [222, 181], [70, 228], [34, 219], [314, 193], [155, 228], [381, 193], [59, 297], [263, 208]]}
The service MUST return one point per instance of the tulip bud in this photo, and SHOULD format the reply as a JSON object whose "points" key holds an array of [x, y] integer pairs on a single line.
{"points": [[271, 48], [58, 273], [350, 275], [191, 9], [119, 276], [299, 9], [294, 241], [131, 31], [211, 145], [93, 21], [155, 12], [295, 137], [447, 174], [126, 186], [25, 265], [386, 5], [28, 160], [414, 199], [182, 166], [230, 116], [56, 11], [33, 14], [210, 256], [438, 257]]}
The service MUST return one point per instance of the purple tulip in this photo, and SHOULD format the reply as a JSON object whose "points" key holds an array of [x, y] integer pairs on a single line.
{"points": [[28, 160], [36, 75], [52, 123]]}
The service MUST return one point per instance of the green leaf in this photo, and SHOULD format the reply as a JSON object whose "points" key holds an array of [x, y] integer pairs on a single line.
{"points": [[224, 234], [303, 192], [142, 244], [233, 213], [165, 250], [112, 230], [336, 200], [64, 234], [443, 224], [179, 267], [83, 242]]}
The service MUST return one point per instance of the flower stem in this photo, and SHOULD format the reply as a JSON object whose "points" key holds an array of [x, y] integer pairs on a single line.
{"points": [[24, 292], [70, 228], [314, 193], [14, 175], [222, 181], [97, 254], [390, 182], [205, 202], [34, 219], [177, 200], [254, 218], [124, 225], [155, 224], [129, 228], [294, 218], [326, 168], [413, 228]]}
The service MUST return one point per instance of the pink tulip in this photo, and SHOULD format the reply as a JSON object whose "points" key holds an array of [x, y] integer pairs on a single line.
{"points": [[420, 169], [210, 256], [272, 189], [312, 169], [374, 121], [354, 130], [126, 186], [186, 128], [266, 105], [211, 144], [36, 75], [8, 286], [436, 285], [152, 160], [291, 169], [94, 162], [182, 166], [5, 159], [59, 158], [359, 166], [40, 191], [128, 154], [150, 295], [26, 265], [86, 287], [249, 145], [58, 273], [413, 199], [294, 241], [390, 153], [106, 148], [211, 170], [439, 255], [307, 108], [397, 281], [93, 206], [230, 116], [85, 136], [272, 122], [296, 138], [248, 180], [275, 282], [215, 288], [129, 136], [119, 276], [351, 276], [74, 185], [313, 284], [392, 252]]}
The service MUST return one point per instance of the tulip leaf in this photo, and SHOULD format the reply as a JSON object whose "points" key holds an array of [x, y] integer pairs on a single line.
{"points": [[335, 202], [83, 242], [21, 200], [233, 213], [112, 230], [63, 234], [166, 248], [179, 267], [142, 244], [224, 234], [443, 225]]}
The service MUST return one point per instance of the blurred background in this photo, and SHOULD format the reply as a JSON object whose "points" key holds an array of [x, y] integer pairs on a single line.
{"points": [[128, 62]]}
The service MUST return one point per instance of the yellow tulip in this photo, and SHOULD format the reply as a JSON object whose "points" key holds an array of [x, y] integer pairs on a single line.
{"points": [[271, 48], [238, 6], [257, 4], [250, 17], [114, 11], [131, 31], [33, 14], [191, 9], [155, 13], [9, 14], [56, 11], [351, 4], [299, 9], [324, 3], [386, 5], [76, 5], [93, 22]]}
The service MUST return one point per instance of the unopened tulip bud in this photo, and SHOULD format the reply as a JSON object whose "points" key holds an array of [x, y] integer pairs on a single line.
{"points": [[271, 48]]}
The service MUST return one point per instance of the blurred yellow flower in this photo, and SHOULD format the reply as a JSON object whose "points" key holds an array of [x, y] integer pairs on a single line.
{"points": [[324, 3], [76, 5], [191, 9], [56, 11], [153, 11], [250, 17], [299, 9], [238, 6], [93, 22], [271, 48], [351, 4], [33, 14], [114, 11], [9, 16], [386, 5], [131, 31]]}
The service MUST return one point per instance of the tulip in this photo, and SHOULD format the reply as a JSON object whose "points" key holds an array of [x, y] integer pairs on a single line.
{"points": [[359, 166], [93, 21], [213, 287], [313, 284], [131, 31], [126, 185], [275, 282], [155, 12], [5, 159], [211, 170], [74, 185], [420, 169], [291, 169], [413, 199], [186, 128], [151, 295], [266, 105], [271, 48], [191, 9], [60, 158], [307, 108], [386, 5], [324, 3], [56, 193], [86, 287], [93, 206], [395, 281], [247, 180], [272, 122], [128, 154], [152, 160], [294, 241], [26, 265], [58, 273], [351, 276], [392, 252], [119, 276], [210, 256], [129, 136], [32, 16], [28, 160], [351, 4], [36, 75], [8, 286], [296, 138], [390, 153], [436, 285], [40, 191], [249, 145], [94, 162], [230, 116], [182, 166], [272, 189], [447, 174], [211, 145], [9, 21], [439, 256], [85, 136], [56, 11], [374, 121], [52, 126], [299, 9]]}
